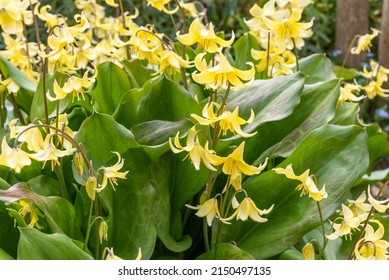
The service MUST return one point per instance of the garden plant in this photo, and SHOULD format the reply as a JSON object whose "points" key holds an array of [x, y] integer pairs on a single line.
{"points": [[131, 140]]}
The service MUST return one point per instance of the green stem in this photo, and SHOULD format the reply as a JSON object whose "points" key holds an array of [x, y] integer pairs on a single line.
{"points": [[267, 56], [89, 226], [61, 180], [325, 240], [206, 236], [17, 109], [124, 26], [296, 54], [348, 52]]}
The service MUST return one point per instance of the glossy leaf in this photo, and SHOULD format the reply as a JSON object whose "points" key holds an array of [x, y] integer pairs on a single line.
{"points": [[242, 49], [317, 68], [226, 251], [337, 156], [36, 245], [137, 72], [17, 75], [112, 84]]}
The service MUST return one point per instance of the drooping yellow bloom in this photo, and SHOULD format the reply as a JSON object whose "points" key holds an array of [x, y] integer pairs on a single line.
{"points": [[359, 207], [371, 247], [10, 85], [111, 3], [50, 20], [51, 153], [29, 207], [348, 93], [380, 206], [111, 173], [27, 134], [256, 24], [11, 15], [349, 222], [364, 42], [160, 5], [91, 187], [171, 62], [196, 152], [74, 85], [146, 44], [14, 158], [308, 251], [208, 209], [279, 62], [374, 88], [247, 209], [234, 165], [287, 29], [307, 185], [228, 121], [189, 8], [222, 75], [111, 255], [293, 4], [103, 231], [204, 36]]}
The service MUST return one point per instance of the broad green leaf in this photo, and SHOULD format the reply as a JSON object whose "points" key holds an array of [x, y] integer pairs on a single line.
{"points": [[36, 245], [161, 177], [112, 84], [137, 72], [153, 136], [59, 213], [18, 76], [9, 235], [270, 100], [38, 107], [4, 255], [101, 135], [291, 254], [45, 185], [346, 114], [345, 73], [24, 99], [336, 155], [166, 100], [317, 68], [131, 208], [317, 107], [378, 144], [242, 49], [226, 251]]}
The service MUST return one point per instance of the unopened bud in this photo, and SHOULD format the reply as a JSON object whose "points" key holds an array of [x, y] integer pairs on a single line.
{"points": [[91, 185], [103, 231], [308, 251], [79, 163]]}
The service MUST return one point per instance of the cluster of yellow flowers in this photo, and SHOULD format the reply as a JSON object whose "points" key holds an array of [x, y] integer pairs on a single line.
{"points": [[352, 217], [278, 30], [376, 77]]}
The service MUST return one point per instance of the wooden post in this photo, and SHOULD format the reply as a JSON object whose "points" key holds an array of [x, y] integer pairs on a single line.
{"points": [[352, 18]]}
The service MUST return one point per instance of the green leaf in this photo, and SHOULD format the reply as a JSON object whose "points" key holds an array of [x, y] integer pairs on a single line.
{"points": [[378, 144], [137, 72], [59, 213], [242, 48], [36, 245], [112, 84], [17, 75], [101, 134], [345, 73], [291, 254], [37, 106], [131, 208], [166, 100], [317, 68], [271, 100], [317, 107], [346, 114], [4, 255], [126, 112], [45, 185], [336, 155], [226, 251], [161, 177]]}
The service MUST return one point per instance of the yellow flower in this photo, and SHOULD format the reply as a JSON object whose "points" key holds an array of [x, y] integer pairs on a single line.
{"points": [[364, 42], [279, 62], [29, 207], [256, 24], [293, 4], [160, 6], [349, 221], [14, 158], [11, 15], [308, 251], [247, 209], [234, 165], [111, 3], [371, 247], [348, 91], [189, 8], [359, 207], [111, 173], [204, 36], [171, 62], [196, 152], [221, 75], [103, 231], [286, 28], [50, 153], [227, 120], [111, 255], [91, 187], [50, 19], [74, 85], [307, 185], [10, 85], [378, 205], [27, 134], [374, 88], [208, 209]]}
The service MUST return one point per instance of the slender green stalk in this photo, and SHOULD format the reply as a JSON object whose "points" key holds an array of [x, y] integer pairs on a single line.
{"points": [[267, 56], [121, 8], [17, 109], [89, 226], [325, 240], [296, 54]]}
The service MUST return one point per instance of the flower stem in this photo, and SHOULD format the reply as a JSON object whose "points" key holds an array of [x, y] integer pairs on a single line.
{"points": [[325, 240], [89, 226], [296, 54]]}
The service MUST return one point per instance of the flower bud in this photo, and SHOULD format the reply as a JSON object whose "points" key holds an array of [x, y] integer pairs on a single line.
{"points": [[79, 163], [103, 231], [91, 185], [308, 251]]}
